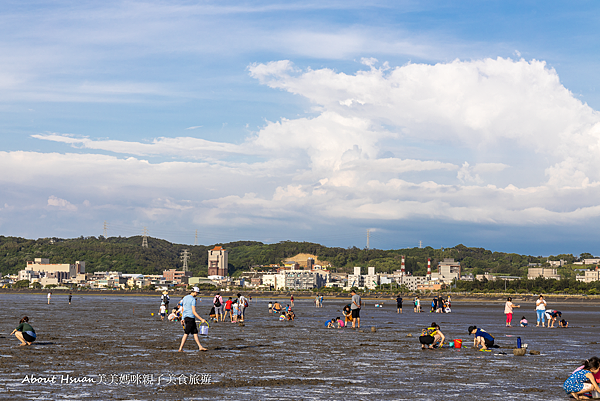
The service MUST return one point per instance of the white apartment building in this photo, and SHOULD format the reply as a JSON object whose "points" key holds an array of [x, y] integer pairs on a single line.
{"points": [[275, 281], [545, 272], [589, 276], [42, 271]]}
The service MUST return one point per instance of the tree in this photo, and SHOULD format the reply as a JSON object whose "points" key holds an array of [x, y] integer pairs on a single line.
{"points": [[22, 284]]}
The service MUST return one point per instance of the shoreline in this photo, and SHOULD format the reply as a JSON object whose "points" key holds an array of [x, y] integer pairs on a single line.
{"points": [[460, 297]]}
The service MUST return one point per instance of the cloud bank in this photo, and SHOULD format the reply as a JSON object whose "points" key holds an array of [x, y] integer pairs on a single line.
{"points": [[491, 141]]}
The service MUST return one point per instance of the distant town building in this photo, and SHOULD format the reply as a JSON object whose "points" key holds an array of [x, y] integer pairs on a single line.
{"points": [[413, 282], [590, 276], [448, 271], [177, 276], [201, 280], [291, 265], [217, 262], [591, 261], [357, 279], [46, 273], [545, 272], [274, 281], [556, 263], [487, 276], [430, 286]]}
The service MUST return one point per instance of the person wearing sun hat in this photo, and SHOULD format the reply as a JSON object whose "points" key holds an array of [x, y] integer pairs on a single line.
{"points": [[189, 318], [165, 299]]}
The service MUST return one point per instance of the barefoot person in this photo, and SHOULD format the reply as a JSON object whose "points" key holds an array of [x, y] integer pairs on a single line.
{"points": [[508, 311], [540, 310], [582, 380], [219, 307], [432, 337], [482, 338], [189, 318], [24, 332], [355, 307]]}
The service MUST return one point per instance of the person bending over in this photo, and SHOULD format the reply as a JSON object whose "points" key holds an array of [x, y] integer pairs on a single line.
{"points": [[482, 338], [582, 380], [431, 337]]}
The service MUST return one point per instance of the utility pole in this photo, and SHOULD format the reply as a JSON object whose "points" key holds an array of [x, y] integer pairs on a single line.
{"points": [[105, 229], [420, 244], [196, 238], [368, 237], [184, 258], [145, 238]]}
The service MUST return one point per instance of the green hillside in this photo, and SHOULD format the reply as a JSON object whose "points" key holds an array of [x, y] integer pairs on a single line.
{"points": [[127, 255]]}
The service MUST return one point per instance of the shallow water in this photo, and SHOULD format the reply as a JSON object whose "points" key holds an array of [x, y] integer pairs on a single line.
{"points": [[103, 337]]}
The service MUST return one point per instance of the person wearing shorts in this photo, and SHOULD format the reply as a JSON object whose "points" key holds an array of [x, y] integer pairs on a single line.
{"points": [[399, 304], [189, 319], [219, 307], [241, 307], [228, 308], [24, 332], [355, 307], [431, 336], [482, 338]]}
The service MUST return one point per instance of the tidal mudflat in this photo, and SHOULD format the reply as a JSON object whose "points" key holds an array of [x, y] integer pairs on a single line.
{"points": [[110, 347]]}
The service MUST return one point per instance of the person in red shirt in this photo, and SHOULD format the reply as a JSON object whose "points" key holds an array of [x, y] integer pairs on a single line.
{"points": [[228, 308]]}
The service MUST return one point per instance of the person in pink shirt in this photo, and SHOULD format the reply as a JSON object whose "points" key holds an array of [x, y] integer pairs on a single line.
{"points": [[508, 311]]}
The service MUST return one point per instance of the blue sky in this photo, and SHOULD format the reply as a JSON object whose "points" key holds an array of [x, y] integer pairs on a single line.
{"points": [[441, 122]]}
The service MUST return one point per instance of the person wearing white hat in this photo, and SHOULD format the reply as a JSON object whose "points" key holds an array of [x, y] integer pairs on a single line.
{"points": [[165, 299], [189, 318]]}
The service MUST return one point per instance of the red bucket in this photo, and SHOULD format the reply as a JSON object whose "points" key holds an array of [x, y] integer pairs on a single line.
{"points": [[457, 343]]}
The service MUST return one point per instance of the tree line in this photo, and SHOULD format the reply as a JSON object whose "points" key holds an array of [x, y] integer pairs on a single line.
{"points": [[126, 254]]}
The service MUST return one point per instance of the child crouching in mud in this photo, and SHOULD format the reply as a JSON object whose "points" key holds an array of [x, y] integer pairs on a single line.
{"points": [[583, 380], [431, 336], [24, 332]]}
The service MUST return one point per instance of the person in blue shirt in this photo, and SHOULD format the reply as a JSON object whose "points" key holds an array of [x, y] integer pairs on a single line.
{"points": [[189, 319], [482, 338]]}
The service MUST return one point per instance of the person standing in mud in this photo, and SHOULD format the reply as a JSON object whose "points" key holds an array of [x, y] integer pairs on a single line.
{"points": [[49, 296], [540, 309], [399, 304], [70, 296], [242, 303], [292, 301], [165, 299], [218, 304], [508, 311], [189, 319], [417, 305], [355, 307]]}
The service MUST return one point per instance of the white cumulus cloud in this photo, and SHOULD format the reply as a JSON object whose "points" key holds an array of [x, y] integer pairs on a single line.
{"points": [[496, 141]]}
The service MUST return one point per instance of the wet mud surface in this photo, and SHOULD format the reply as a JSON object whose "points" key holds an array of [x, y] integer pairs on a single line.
{"points": [[100, 348]]}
